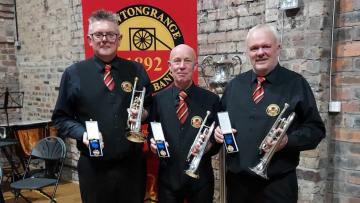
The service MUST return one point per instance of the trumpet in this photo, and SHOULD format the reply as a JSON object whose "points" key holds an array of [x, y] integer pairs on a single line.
{"points": [[194, 165], [283, 124], [2, 132], [134, 133]]}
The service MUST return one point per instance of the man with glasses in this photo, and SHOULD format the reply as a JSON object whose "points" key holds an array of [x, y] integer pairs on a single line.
{"points": [[100, 88]]}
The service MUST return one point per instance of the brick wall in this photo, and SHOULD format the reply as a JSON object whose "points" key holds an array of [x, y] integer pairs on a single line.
{"points": [[344, 153], [52, 39], [222, 29], [9, 74]]}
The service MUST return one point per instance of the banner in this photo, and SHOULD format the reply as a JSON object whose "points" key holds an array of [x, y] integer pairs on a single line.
{"points": [[150, 30]]}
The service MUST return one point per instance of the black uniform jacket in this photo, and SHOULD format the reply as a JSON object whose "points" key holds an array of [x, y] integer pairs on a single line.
{"points": [[84, 96], [253, 121], [181, 136]]}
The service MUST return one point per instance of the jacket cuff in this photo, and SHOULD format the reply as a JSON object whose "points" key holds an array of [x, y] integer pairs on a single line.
{"points": [[79, 133], [292, 143]]}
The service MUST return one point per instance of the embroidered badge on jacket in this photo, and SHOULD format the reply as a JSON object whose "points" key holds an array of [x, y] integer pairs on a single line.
{"points": [[126, 86], [273, 110], [196, 121]]}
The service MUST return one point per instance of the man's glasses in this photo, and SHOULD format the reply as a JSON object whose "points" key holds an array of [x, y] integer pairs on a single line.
{"points": [[98, 36]]}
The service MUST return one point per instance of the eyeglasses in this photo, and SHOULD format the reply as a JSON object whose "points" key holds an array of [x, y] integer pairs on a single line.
{"points": [[98, 36]]}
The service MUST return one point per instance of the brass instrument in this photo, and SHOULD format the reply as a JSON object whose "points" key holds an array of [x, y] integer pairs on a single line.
{"points": [[2, 132], [134, 133], [282, 123], [194, 165]]}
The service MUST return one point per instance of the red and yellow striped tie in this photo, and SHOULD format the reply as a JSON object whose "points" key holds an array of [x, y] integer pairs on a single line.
{"points": [[258, 93], [108, 79], [182, 110]]}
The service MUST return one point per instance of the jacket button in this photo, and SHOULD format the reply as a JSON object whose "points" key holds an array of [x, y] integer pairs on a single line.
{"points": [[182, 139], [250, 131], [111, 93], [113, 104], [115, 115], [182, 150], [116, 127], [254, 109]]}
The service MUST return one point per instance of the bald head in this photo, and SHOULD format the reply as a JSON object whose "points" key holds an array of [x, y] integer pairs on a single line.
{"points": [[182, 64], [183, 48]]}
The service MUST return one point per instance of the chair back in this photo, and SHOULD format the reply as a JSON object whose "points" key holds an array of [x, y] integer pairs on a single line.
{"points": [[49, 148]]}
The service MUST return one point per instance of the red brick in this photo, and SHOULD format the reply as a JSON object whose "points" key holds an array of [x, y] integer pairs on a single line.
{"points": [[348, 49], [342, 134], [9, 63], [350, 107], [354, 177], [342, 64], [9, 8], [339, 94], [3, 69], [349, 19], [6, 15], [353, 200], [346, 6], [346, 80]]}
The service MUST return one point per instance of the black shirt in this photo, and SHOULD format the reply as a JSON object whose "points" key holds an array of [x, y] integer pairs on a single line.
{"points": [[253, 121], [181, 136], [84, 96]]}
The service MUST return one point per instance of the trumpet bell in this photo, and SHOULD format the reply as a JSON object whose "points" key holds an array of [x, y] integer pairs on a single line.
{"points": [[261, 170], [191, 173], [135, 136]]}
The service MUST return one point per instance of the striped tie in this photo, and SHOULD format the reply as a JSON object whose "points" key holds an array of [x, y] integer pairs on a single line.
{"points": [[108, 79], [259, 90], [182, 110]]}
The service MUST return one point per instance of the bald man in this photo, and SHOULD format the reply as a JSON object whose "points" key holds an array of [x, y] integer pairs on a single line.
{"points": [[181, 110]]}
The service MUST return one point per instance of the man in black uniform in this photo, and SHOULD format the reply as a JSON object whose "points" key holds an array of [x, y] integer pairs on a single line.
{"points": [[181, 110], [120, 174], [254, 99]]}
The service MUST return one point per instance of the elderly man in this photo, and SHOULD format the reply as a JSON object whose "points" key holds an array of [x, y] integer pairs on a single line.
{"points": [[254, 100], [181, 109], [98, 89]]}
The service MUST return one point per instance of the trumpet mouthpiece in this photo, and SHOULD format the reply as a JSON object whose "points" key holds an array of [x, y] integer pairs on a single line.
{"points": [[136, 79]]}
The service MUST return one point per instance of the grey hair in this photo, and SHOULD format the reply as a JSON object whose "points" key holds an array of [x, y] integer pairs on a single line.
{"points": [[102, 15], [265, 27]]}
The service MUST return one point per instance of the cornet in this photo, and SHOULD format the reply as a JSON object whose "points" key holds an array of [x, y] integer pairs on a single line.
{"points": [[194, 165], [261, 168], [134, 133], [2, 132]]}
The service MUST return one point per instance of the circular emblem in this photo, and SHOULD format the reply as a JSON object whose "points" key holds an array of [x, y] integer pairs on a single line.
{"points": [[126, 86], [273, 110], [149, 34], [230, 148], [196, 121], [96, 152], [163, 153]]}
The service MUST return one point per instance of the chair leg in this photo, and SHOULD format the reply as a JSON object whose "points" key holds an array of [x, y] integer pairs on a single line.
{"points": [[17, 193], [24, 198]]}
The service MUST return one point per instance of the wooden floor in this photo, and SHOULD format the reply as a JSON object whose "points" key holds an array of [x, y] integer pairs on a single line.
{"points": [[66, 193]]}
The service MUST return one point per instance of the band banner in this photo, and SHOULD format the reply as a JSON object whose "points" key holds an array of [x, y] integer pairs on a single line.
{"points": [[150, 30]]}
